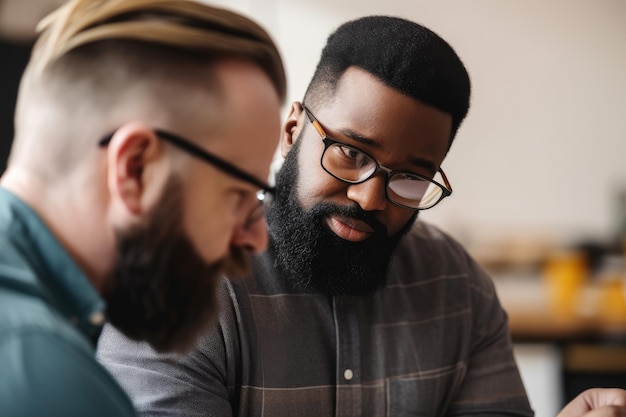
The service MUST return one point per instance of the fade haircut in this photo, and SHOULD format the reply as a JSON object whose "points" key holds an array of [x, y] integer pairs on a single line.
{"points": [[95, 59], [404, 55], [184, 25]]}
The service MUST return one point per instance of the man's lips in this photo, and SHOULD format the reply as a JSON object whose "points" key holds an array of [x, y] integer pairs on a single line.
{"points": [[348, 228]]}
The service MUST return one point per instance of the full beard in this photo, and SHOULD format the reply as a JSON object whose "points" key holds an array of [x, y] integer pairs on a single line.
{"points": [[164, 292], [312, 257]]}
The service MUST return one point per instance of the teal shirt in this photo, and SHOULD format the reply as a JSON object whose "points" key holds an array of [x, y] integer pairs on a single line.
{"points": [[50, 318]]}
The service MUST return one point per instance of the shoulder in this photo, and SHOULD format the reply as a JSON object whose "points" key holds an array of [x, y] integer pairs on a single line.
{"points": [[46, 373], [429, 238], [428, 253], [25, 311], [48, 366], [426, 244]]}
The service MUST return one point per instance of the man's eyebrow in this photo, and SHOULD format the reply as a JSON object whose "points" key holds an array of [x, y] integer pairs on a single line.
{"points": [[417, 162], [360, 138]]}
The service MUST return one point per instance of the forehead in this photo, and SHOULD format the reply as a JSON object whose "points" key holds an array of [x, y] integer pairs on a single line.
{"points": [[393, 127], [248, 124]]}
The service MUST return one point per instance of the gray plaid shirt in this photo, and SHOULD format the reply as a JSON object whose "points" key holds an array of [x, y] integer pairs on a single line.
{"points": [[434, 342]]}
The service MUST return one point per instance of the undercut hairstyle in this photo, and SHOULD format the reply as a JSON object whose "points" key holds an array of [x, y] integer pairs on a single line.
{"points": [[404, 55], [188, 26], [99, 62]]}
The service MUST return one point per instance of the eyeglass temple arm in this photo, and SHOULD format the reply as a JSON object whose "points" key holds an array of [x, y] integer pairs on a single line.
{"points": [[445, 180], [322, 133], [314, 121], [190, 147]]}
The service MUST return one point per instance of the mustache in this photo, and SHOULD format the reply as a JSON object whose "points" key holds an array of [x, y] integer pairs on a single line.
{"points": [[353, 211]]}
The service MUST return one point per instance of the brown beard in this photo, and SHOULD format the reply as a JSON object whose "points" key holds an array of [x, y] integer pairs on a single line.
{"points": [[164, 291]]}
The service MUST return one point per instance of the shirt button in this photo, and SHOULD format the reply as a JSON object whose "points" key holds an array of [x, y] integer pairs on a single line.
{"points": [[348, 374], [97, 319]]}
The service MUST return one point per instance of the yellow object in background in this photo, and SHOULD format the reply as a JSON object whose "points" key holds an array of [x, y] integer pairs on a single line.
{"points": [[612, 303], [565, 274]]}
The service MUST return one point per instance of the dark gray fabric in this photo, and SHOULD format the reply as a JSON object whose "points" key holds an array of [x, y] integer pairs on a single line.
{"points": [[434, 342]]}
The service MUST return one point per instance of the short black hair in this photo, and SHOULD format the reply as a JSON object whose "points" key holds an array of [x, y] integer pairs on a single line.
{"points": [[404, 55]]}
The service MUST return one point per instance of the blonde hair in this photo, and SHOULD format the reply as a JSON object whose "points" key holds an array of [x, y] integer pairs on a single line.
{"points": [[99, 62], [180, 24]]}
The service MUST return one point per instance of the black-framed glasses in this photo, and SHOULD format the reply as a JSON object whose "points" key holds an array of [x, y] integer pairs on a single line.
{"points": [[265, 194], [354, 166]]}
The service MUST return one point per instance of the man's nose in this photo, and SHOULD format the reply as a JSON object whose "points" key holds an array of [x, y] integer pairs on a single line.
{"points": [[252, 236], [370, 195]]}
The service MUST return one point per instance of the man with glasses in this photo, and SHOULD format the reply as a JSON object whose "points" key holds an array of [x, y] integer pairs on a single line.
{"points": [[329, 323], [357, 308], [144, 133]]}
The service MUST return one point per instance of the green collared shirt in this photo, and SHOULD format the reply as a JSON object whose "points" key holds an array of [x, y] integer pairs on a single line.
{"points": [[50, 319]]}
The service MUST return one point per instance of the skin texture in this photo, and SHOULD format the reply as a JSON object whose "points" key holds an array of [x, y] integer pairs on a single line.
{"points": [[398, 131], [250, 111], [246, 136], [114, 190], [337, 237], [597, 402]]}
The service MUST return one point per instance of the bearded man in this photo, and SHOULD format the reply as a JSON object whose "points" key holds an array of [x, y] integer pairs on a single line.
{"points": [[144, 134], [357, 309]]}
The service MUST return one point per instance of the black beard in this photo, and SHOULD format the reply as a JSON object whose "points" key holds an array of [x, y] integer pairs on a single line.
{"points": [[311, 256], [164, 291]]}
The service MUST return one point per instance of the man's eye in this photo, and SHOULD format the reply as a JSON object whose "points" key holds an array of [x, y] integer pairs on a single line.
{"points": [[357, 158], [350, 152]]}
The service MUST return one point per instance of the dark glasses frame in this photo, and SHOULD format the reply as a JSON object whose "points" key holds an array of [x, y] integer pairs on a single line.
{"points": [[216, 161], [446, 190]]}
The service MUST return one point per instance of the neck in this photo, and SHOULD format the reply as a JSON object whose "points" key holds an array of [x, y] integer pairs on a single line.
{"points": [[74, 215]]}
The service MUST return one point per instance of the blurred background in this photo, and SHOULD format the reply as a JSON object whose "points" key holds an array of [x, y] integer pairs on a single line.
{"points": [[537, 168]]}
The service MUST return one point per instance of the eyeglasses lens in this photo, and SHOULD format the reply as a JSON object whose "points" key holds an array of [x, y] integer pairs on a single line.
{"points": [[354, 166]]}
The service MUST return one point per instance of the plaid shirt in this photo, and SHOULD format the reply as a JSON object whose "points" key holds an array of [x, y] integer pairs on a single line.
{"points": [[433, 342]]}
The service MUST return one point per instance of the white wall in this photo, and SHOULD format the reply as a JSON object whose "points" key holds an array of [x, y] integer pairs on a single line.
{"points": [[543, 148], [540, 369]]}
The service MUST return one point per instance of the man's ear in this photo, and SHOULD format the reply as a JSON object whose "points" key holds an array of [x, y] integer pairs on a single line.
{"points": [[292, 128], [132, 150]]}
